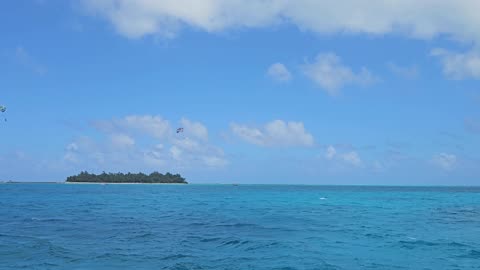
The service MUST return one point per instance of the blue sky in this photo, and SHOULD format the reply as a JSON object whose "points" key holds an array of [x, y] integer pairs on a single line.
{"points": [[267, 91]]}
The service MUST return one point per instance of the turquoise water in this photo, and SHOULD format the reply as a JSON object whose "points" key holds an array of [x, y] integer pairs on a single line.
{"points": [[58, 226]]}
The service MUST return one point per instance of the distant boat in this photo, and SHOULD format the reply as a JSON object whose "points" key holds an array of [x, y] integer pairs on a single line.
{"points": [[235, 184]]}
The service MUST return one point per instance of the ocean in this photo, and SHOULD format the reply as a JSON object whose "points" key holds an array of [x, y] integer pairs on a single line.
{"points": [[66, 226]]}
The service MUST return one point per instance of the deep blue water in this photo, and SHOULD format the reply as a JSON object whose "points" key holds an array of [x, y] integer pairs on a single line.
{"points": [[59, 226]]}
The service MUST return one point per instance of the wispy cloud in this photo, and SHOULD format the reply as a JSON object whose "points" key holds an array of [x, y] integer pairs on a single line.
{"points": [[407, 72], [275, 133], [351, 158], [279, 72], [23, 58], [457, 65], [445, 161], [149, 125], [328, 72]]}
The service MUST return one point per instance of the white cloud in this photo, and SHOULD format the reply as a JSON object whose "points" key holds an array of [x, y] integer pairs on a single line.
{"points": [[330, 74], [194, 129], [459, 66], [136, 18], [71, 157], [122, 141], [445, 161], [154, 126], [331, 152], [279, 72], [351, 158], [275, 133], [158, 148], [419, 19], [156, 156], [407, 72], [188, 144], [72, 147], [214, 161], [186, 152], [176, 152], [149, 125]]}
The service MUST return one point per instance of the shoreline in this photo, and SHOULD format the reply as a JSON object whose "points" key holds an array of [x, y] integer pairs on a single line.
{"points": [[250, 184], [109, 183], [93, 183]]}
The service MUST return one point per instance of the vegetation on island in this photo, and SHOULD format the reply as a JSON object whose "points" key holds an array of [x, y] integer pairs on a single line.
{"points": [[155, 177]]}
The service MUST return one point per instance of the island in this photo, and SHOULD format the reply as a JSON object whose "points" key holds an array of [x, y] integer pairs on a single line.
{"points": [[153, 178]]}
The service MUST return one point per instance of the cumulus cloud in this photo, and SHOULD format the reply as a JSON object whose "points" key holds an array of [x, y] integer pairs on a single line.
{"points": [[156, 156], [194, 129], [122, 141], [445, 161], [154, 126], [457, 65], [329, 73], [279, 72], [160, 148], [83, 148], [275, 133], [419, 19]]}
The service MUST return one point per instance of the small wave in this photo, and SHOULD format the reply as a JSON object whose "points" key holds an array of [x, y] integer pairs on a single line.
{"points": [[143, 235], [413, 242], [235, 243], [175, 257], [47, 219], [416, 243], [236, 225], [187, 266], [206, 240], [472, 254], [198, 224], [374, 235], [262, 246], [456, 244]]}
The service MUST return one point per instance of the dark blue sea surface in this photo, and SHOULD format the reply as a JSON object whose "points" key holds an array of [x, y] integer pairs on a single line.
{"points": [[66, 226]]}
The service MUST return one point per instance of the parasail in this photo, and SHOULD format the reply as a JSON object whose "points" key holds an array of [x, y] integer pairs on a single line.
{"points": [[3, 109], [179, 130]]}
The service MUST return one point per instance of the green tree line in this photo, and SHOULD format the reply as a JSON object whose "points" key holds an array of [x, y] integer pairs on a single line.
{"points": [[104, 177]]}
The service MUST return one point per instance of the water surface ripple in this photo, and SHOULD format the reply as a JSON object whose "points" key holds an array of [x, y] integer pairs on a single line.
{"points": [[59, 226]]}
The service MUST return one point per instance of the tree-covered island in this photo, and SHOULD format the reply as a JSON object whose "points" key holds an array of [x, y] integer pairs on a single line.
{"points": [[155, 177]]}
